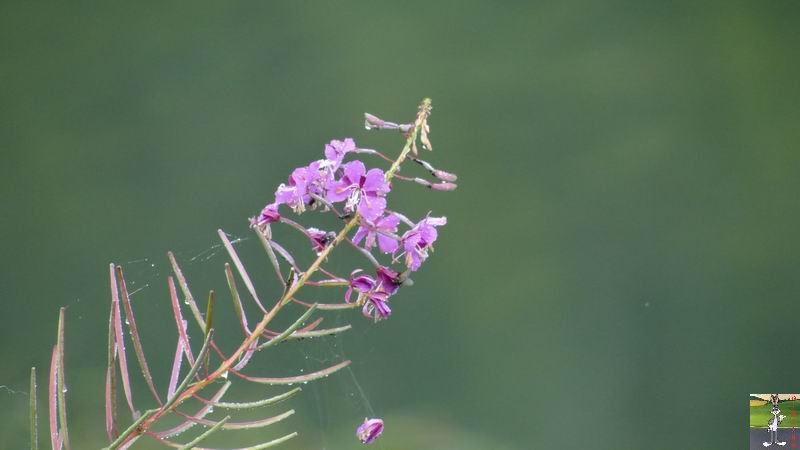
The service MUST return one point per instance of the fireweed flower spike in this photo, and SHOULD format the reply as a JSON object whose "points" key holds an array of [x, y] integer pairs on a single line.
{"points": [[377, 231], [370, 430], [364, 191], [418, 240], [317, 186]]}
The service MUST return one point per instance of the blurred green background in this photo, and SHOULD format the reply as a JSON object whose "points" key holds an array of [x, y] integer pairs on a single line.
{"points": [[620, 265]]}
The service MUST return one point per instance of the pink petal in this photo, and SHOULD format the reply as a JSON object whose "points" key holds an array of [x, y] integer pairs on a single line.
{"points": [[354, 170], [371, 207], [387, 244], [360, 234], [375, 182], [389, 223], [337, 191]]}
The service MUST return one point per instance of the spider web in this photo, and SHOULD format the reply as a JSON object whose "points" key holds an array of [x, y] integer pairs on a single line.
{"points": [[336, 404]]}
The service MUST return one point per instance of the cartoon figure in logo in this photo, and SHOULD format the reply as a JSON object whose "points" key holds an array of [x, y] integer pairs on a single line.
{"points": [[773, 423]]}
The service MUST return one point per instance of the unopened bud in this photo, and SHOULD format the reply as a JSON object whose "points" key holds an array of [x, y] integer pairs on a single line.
{"points": [[371, 121], [440, 174], [446, 176], [444, 186]]}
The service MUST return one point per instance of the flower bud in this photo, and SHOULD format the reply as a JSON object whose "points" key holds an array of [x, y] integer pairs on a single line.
{"points": [[372, 122], [268, 215], [446, 176], [444, 186]]}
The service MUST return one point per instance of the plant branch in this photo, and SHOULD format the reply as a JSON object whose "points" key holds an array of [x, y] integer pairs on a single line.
{"points": [[185, 391]]}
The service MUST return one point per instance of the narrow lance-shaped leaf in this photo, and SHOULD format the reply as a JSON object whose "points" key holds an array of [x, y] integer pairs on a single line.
{"points": [[176, 369], [122, 440], [318, 333], [241, 314], [256, 404], [244, 359], [111, 368], [34, 412], [192, 372], [261, 423], [62, 385], [130, 442], [209, 313], [110, 416], [336, 306], [206, 434], [240, 268], [262, 446], [237, 302], [271, 443], [327, 306], [289, 330], [120, 345], [270, 253], [198, 317], [313, 325], [202, 412], [52, 401], [298, 379], [209, 321], [285, 254], [137, 343], [179, 322]]}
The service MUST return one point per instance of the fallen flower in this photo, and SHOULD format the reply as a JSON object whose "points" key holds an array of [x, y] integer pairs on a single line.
{"points": [[370, 430]]}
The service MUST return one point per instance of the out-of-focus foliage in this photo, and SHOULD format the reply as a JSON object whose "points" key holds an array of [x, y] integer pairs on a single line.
{"points": [[620, 262]]}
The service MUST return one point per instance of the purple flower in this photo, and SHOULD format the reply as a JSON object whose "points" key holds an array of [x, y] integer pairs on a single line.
{"points": [[370, 430], [269, 214], [373, 231], [362, 283], [418, 240], [388, 280], [370, 291], [302, 182], [364, 191], [335, 151], [376, 309], [319, 239]]}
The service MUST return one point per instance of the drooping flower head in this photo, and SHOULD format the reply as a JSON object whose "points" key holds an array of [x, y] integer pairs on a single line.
{"points": [[269, 214], [376, 231], [376, 309], [320, 239], [370, 430], [364, 191], [419, 240], [376, 299], [388, 280]]}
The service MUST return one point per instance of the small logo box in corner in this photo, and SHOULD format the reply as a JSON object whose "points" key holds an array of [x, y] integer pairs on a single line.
{"points": [[774, 420]]}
